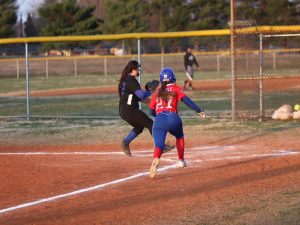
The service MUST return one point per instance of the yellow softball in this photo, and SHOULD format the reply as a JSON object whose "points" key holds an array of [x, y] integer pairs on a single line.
{"points": [[297, 107]]}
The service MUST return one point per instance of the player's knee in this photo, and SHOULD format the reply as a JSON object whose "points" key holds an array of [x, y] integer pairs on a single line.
{"points": [[180, 136], [138, 130]]}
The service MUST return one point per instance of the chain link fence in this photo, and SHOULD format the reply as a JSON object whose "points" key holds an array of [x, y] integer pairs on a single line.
{"points": [[247, 70], [281, 70], [78, 76], [266, 71]]}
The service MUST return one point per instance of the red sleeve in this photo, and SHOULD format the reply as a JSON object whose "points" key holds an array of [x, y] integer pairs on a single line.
{"points": [[152, 104], [180, 94]]}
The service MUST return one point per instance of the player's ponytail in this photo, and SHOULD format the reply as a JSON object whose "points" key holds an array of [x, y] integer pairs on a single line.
{"points": [[124, 74], [162, 90]]}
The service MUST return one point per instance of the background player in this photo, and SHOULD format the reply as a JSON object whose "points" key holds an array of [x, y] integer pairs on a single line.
{"points": [[130, 93], [189, 61], [163, 106]]}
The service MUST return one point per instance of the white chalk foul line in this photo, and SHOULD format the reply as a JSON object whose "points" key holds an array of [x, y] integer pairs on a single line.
{"points": [[93, 188], [280, 153], [61, 153], [200, 148], [71, 153]]}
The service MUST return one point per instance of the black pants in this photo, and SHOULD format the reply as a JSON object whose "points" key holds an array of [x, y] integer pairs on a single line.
{"points": [[136, 118]]}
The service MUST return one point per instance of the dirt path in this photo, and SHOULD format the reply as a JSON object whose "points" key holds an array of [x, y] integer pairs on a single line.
{"points": [[250, 179]]}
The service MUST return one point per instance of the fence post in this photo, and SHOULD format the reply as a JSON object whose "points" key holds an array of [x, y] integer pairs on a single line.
{"points": [[274, 60], [18, 69], [27, 82], [47, 69], [105, 66], [140, 61], [232, 51], [247, 61], [261, 97], [218, 62], [162, 52], [75, 67]]}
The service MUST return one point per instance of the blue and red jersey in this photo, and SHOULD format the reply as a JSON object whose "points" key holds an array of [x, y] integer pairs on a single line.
{"points": [[169, 102]]}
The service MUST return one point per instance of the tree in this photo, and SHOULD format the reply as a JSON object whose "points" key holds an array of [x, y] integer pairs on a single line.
{"points": [[30, 27], [68, 18], [125, 16], [173, 15], [8, 18], [270, 12], [99, 11], [211, 14]]}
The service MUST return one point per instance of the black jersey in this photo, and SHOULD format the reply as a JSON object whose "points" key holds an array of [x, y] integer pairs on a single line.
{"points": [[189, 60], [126, 92]]}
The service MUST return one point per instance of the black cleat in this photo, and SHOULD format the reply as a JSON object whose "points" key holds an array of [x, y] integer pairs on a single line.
{"points": [[125, 148]]}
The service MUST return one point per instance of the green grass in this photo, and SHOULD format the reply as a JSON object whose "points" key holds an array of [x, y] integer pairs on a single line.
{"points": [[62, 82], [99, 105], [92, 105], [58, 82], [215, 103]]}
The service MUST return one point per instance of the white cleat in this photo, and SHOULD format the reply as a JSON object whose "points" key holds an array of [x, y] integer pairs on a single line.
{"points": [[154, 167], [182, 164]]}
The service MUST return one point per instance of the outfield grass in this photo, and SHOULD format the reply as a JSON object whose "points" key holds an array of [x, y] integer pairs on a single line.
{"points": [[215, 103], [103, 105], [8, 85], [62, 82]]}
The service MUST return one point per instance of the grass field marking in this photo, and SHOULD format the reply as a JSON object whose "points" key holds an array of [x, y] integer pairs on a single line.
{"points": [[80, 191]]}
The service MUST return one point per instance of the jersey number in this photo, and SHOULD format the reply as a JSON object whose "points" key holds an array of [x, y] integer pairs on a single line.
{"points": [[160, 101], [129, 100]]}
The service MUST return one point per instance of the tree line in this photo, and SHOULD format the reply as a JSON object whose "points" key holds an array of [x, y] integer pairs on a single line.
{"points": [[78, 17]]}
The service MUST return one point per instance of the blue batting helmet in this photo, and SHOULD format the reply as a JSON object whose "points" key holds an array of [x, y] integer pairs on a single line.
{"points": [[167, 74]]}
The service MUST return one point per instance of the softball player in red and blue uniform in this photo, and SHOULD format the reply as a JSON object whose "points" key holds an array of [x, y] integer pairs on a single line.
{"points": [[163, 107]]}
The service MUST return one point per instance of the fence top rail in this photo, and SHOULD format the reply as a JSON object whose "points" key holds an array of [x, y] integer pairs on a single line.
{"points": [[281, 35], [131, 56], [105, 37], [269, 30]]}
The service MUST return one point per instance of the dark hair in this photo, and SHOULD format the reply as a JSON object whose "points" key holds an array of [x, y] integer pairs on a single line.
{"points": [[162, 89], [131, 65], [163, 93]]}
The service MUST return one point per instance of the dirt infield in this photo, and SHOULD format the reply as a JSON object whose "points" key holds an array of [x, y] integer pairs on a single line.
{"points": [[250, 179], [270, 84]]}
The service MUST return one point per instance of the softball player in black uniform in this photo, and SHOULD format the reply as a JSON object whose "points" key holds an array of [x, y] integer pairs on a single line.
{"points": [[131, 93], [189, 61]]}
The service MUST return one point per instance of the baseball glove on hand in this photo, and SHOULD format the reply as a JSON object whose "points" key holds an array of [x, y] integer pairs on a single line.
{"points": [[151, 85]]}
